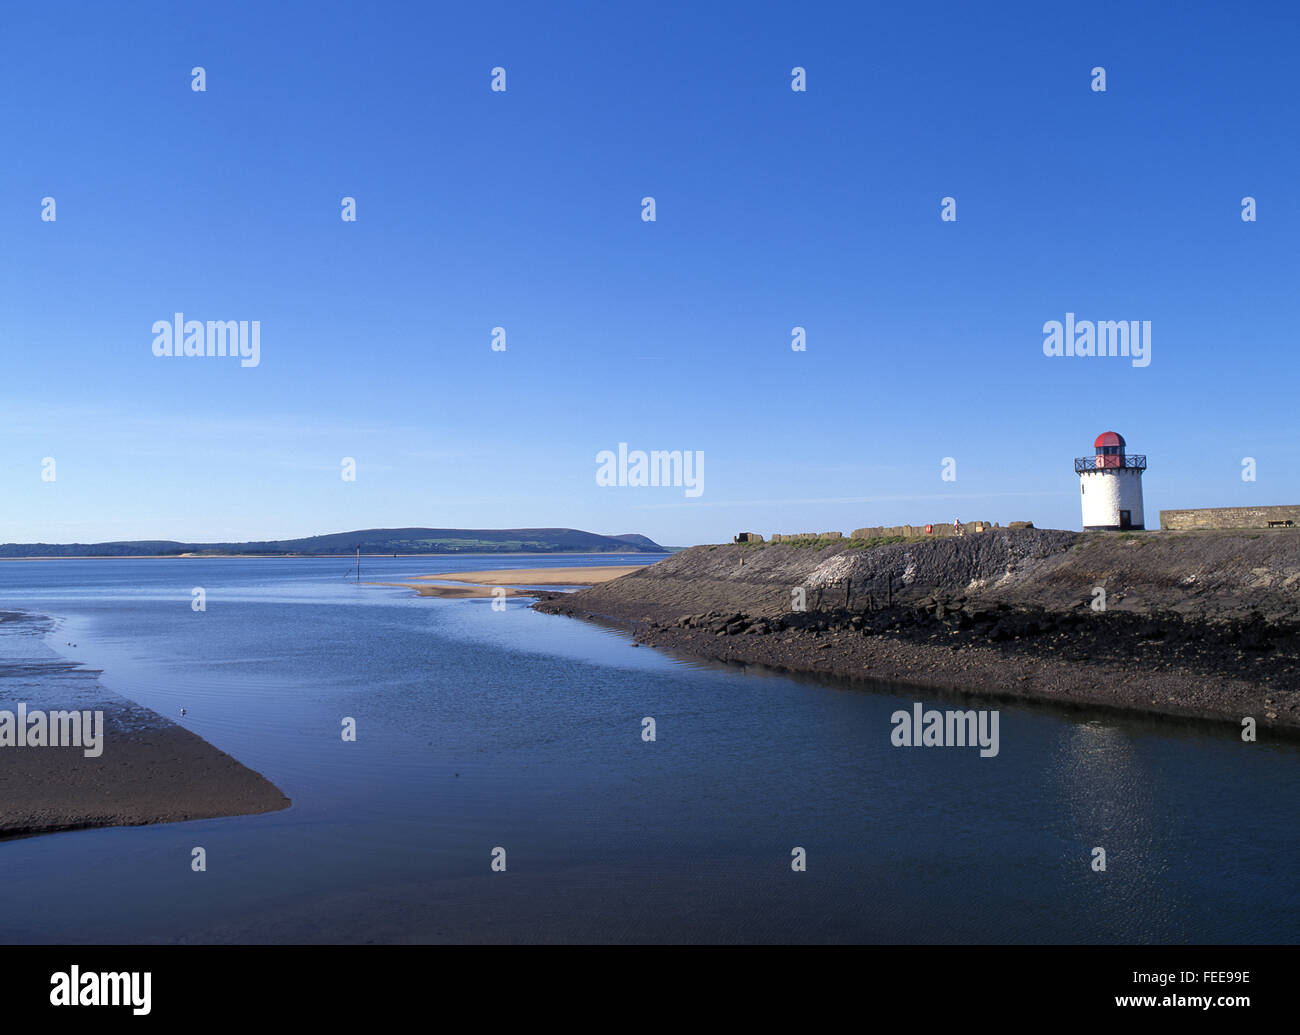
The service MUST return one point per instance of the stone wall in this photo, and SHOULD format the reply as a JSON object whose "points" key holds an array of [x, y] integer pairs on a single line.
{"points": [[891, 531], [1228, 517], [938, 530]]}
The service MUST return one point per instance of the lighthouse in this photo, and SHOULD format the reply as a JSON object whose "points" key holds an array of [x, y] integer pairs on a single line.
{"points": [[1110, 484]]}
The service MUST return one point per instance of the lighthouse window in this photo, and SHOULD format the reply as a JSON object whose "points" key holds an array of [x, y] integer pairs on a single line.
{"points": [[1082, 489]]}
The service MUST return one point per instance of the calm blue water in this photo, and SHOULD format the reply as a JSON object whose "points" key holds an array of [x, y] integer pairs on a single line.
{"points": [[480, 729]]}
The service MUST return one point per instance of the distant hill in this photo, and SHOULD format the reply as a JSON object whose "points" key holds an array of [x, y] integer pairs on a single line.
{"points": [[640, 542], [371, 540]]}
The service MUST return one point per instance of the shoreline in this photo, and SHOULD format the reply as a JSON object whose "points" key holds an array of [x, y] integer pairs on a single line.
{"points": [[152, 770], [842, 653], [1012, 622], [312, 556]]}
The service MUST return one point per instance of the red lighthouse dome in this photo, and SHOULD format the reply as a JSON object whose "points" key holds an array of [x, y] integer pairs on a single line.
{"points": [[1110, 449]]}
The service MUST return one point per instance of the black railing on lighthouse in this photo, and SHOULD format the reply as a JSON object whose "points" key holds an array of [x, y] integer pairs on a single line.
{"points": [[1110, 463]]}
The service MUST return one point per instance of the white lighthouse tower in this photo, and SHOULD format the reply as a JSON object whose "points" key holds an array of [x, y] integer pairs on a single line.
{"points": [[1110, 483]]}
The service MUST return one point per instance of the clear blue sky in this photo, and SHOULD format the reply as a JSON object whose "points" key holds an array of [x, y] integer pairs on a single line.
{"points": [[523, 209]]}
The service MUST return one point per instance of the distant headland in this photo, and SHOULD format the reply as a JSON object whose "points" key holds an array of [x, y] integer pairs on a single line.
{"points": [[368, 541]]}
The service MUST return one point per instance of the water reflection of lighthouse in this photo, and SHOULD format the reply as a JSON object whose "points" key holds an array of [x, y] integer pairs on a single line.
{"points": [[1106, 791]]}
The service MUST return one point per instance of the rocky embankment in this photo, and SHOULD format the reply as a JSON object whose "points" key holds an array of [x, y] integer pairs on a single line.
{"points": [[1199, 624]]}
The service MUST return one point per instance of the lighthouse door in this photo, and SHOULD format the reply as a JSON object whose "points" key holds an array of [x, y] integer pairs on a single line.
{"points": [[1125, 519]]}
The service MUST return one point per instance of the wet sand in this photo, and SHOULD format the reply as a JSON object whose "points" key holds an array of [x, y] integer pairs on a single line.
{"points": [[592, 576], [151, 769], [459, 592], [511, 580]]}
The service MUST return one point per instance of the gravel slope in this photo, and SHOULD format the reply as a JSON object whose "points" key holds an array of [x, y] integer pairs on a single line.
{"points": [[1203, 624]]}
